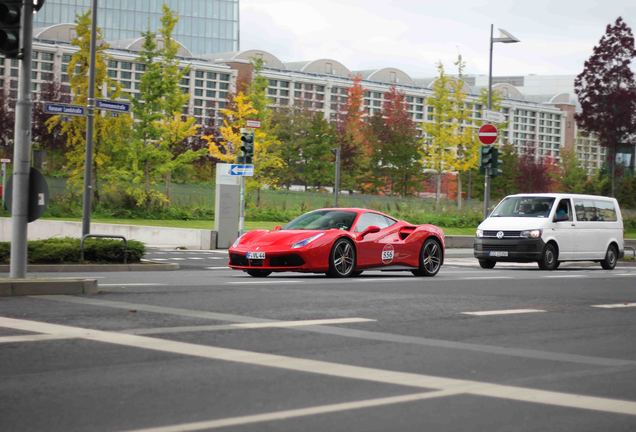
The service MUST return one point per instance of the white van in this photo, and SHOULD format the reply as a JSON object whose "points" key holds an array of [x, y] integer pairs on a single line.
{"points": [[551, 228]]}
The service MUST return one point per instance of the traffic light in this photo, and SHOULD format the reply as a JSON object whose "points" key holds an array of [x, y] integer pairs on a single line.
{"points": [[10, 27], [487, 156], [495, 168], [247, 146]]}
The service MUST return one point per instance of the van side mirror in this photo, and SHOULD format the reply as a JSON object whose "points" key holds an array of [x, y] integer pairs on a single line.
{"points": [[368, 230]]}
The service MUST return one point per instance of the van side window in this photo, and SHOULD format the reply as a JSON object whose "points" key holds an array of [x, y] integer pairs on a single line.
{"points": [[589, 210], [564, 210]]}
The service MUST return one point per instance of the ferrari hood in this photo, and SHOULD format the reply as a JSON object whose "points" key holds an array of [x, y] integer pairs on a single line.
{"points": [[277, 239]]}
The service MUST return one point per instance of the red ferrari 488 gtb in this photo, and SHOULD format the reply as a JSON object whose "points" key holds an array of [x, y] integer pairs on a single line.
{"points": [[340, 242]]}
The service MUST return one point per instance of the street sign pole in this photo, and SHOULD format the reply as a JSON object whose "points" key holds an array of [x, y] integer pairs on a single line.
{"points": [[4, 178], [241, 226], [22, 150], [90, 117]]}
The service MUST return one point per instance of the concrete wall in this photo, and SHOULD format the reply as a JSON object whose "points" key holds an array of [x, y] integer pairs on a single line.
{"points": [[151, 236]]}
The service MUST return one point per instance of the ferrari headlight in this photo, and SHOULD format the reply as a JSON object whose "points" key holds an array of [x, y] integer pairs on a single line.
{"points": [[237, 241], [306, 241], [533, 234], [479, 233]]}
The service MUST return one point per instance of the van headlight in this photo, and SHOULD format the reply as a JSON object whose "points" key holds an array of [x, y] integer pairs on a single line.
{"points": [[306, 241], [533, 234], [479, 233]]}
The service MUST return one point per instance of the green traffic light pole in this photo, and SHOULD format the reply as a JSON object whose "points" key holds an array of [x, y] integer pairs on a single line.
{"points": [[22, 150]]}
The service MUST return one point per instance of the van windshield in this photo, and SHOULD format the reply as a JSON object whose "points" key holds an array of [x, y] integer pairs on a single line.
{"points": [[524, 206]]}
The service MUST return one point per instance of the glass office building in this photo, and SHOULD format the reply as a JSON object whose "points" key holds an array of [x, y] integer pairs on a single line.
{"points": [[205, 26]]}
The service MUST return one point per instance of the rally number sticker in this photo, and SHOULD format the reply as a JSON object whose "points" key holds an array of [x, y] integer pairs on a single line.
{"points": [[387, 254]]}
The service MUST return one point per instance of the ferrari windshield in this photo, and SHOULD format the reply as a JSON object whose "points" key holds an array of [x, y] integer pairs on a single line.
{"points": [[322, 220], [524, 206]]}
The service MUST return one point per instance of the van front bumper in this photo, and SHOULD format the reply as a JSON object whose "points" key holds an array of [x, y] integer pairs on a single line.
{"points": [[513, 250]]}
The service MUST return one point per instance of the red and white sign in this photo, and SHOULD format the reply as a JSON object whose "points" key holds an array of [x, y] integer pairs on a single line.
{"points": [[253, 123], [487, 134]]}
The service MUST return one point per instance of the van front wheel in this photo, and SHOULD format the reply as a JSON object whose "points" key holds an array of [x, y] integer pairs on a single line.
{"points": [[487, 264], [611, 256], [548, 260]]}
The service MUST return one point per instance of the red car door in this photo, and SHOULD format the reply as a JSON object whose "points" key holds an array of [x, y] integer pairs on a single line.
{"points": [[376, 249]]}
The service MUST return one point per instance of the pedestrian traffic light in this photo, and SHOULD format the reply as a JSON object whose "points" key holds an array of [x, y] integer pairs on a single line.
{"points": [[10, 27], [247, 146]]}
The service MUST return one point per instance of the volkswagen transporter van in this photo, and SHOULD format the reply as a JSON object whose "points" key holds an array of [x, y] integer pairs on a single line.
{"points": [[551, 228]]}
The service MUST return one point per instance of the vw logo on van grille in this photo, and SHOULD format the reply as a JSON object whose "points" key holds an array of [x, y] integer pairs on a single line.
{"points": [[500, 234]]}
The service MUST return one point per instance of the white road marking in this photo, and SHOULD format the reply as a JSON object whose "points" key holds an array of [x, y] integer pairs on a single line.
{"points": [[355, 333], [302, 412], [217, 268], [267, 282], [258, 325], [563, 276], [195, 258], [160, 259], [385, 279], [487, 277], [177, 259], [616, 305], [503, 312], [340, 370], [131, 284], [624, 274], [30, 338]]}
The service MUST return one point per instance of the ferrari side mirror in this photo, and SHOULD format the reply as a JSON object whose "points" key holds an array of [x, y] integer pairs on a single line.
{"points": [[277, 228], [368, 230]]}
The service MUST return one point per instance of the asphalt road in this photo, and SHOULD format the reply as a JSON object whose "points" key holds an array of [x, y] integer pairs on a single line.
{"points": [[509, 349]]}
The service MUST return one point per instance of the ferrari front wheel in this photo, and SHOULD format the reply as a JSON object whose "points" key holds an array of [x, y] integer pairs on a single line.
{"points": [[430, 258], [259, 273], [342, 259]]}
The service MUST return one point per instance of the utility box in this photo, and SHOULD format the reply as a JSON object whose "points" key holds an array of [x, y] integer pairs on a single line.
{"points": [[226, 206]]}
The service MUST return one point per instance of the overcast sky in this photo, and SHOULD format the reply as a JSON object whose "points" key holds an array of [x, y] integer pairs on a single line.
{"points": [[557, 36]]}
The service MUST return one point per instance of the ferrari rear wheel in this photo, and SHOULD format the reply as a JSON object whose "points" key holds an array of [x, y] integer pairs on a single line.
{"points": [[430, 258], [259, 273], [342, 259]]}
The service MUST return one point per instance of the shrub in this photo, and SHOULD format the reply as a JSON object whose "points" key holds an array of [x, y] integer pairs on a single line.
{"points": [[67, 250]]}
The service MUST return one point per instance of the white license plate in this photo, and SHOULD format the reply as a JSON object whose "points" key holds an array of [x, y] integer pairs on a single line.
{"points": [[255, 255], [498, 253]]}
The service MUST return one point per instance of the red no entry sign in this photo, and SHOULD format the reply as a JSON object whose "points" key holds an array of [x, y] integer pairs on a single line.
{"points": [[487, 134]]}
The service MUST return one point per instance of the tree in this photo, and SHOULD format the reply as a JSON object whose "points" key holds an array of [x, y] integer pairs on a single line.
{"points": [[267, 161], [607, 92], [506, 183], [438, 148], [395, 157], [352, 136], [466, 144], [160, 145], [536, 174], [110, 130], [50, 141], [573, 176]]}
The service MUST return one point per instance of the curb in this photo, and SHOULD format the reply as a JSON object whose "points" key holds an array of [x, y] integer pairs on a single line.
{"points": [[73, 268], [34, 286]]}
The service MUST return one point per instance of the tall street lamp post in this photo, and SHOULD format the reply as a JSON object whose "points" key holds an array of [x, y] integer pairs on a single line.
{"points": [[504, 37]]}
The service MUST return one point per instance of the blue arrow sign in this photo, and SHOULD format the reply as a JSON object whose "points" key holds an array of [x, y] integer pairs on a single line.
{"points": [[242, 170], [112, 105], [56, 108]]}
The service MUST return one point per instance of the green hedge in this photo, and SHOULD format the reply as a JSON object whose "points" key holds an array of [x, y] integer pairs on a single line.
{"points": [[67, 250]]}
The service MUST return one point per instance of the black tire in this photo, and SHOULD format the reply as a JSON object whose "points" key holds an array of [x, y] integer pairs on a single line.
{"points": [[487, 264], [342, 259], [431, 258], [259, 273], [549, 258], [356, 273], [611, 258]]}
